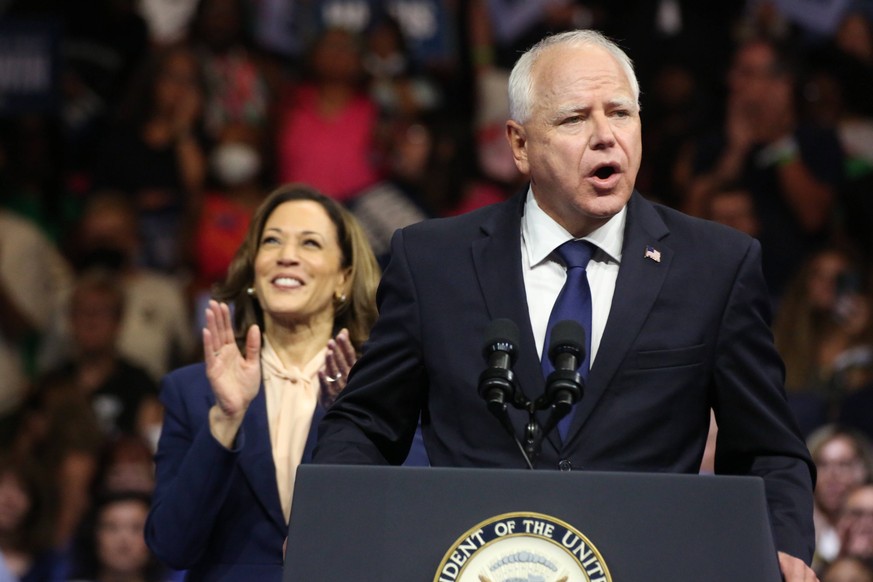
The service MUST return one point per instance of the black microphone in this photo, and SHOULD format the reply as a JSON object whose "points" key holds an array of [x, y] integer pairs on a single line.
{"points": [[497, 383], [564, 386]]}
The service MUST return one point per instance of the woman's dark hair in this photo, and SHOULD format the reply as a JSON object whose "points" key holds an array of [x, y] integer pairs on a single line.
{"points": [[34, 533], [85, 562]]}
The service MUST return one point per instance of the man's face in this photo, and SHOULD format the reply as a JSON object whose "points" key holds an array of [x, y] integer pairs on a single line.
{"points": [[752, 72], [581, 146]]}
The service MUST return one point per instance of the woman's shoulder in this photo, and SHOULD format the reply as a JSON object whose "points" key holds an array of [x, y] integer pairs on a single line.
{"points": [[187, 388], [188, 377]]}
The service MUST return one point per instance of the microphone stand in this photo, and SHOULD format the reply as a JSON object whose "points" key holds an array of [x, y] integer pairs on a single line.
{"points": [[496, 384]]}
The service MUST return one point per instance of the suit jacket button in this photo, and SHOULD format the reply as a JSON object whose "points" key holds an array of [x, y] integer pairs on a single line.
{"points": [[565, 465]]}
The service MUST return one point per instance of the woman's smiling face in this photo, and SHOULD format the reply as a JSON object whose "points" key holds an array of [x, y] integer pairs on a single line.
{"points": [[298, 266]]}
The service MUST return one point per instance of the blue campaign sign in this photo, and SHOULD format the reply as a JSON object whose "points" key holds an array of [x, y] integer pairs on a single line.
{"points": [[819, 16], [29, 68]]}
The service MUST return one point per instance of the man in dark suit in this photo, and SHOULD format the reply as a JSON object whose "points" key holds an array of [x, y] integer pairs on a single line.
{"points": [[679, 319]]}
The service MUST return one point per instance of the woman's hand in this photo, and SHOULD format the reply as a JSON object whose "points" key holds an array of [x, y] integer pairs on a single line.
{"points": [[235, 378], [338, 362]]}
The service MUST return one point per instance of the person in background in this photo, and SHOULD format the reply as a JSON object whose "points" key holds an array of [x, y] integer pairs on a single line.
{"points": [[27, 551], [396, 85], [733, 206], [110, 546], [31, 299], [491, 174], [60, 430], [235, 190], [793, 169], [847, 570], [329, 118], [302, 287], [239, 79], [424, 173], [824, 327], [155, 153], [844, 461], [155, 331], [126, 464], [123, 395], [856, 525]]}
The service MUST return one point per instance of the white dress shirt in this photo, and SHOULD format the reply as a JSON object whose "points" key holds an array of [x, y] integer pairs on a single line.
{"points": [[544, 273]]}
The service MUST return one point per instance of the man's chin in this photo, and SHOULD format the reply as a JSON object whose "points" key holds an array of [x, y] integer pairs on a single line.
{"points": [[605, 206]]}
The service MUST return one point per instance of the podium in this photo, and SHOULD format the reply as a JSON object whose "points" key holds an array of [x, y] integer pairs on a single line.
{"points": [[409, 524]]}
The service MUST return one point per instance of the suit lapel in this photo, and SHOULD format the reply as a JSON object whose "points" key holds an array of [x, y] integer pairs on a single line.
{"points": [[639, 281], [256, 460], [497, 261]]}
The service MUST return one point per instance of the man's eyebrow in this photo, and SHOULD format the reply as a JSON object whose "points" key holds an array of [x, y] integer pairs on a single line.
{"points": [[617, 103], [570, 110], [623, 102]]}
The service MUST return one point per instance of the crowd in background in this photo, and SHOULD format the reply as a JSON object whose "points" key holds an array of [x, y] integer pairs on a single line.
{"points": [[124, 198]]}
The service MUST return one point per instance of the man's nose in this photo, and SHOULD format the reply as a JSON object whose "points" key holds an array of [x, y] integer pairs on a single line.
{"points": [[602, 135]]}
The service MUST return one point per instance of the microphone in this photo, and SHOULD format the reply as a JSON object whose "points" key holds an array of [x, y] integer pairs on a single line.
{"points": [[497, 383], [564, 386]]}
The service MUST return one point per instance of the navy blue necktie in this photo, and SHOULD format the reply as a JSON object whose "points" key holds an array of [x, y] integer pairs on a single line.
{"points": [[574, 302]]}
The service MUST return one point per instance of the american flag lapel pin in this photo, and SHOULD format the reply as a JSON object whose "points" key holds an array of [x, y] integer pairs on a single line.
{"points": [[653, 253]]}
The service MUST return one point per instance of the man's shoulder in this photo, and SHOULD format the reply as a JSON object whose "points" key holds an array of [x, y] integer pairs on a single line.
{"points": [[683, 225], [693, 238]]}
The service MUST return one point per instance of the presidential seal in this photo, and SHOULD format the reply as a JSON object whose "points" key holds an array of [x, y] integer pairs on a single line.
{"points": [[522, 547]]}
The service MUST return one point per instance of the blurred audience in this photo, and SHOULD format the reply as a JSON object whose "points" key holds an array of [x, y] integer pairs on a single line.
{"points": [[240, 82], [60, 429], [503, 29], [124, 397], [844, 460], [856, 410], [823, 327], [792, 169], [167, 20], [404, 196], [856, 525], [847, 570], [490, 174], [32, 166], [327, 118], [155, 331], [126, 464], [677, 108], [155, 153], [34, 283], [396, 85], [733, 206], [111, 546], [27, 552], [234, 191], [104, 44]]}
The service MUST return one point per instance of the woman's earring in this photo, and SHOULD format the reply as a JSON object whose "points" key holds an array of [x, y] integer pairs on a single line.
{"points": [[251, 291]]}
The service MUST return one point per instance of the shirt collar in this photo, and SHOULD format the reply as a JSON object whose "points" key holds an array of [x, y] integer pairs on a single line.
{"points": [[550, 235], [272, 365]]}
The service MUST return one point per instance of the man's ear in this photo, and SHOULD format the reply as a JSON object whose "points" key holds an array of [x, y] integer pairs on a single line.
{"points": [[518, 142]]}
